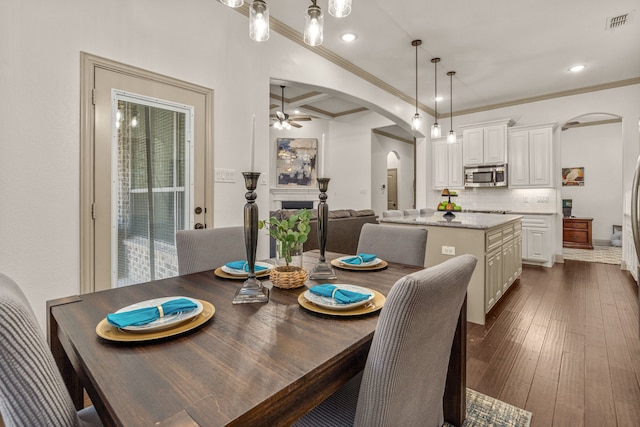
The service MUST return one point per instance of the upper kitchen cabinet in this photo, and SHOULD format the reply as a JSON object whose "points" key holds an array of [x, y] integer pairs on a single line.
{"points": [[447, 168], [531, 156], [485, 143]]}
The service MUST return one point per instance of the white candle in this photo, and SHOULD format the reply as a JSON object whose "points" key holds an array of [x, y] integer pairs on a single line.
{"points": [[253, 144], [322, 157]]}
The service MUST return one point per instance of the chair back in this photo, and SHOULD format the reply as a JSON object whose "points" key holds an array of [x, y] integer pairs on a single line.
{"points": [[32, 392], [207, 249], [392, 214], [404, 377], [405, 245], [411, 212]]}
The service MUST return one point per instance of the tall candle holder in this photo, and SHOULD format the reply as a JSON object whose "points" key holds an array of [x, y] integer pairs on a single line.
{"points": [[252, 290], [323, 270]]}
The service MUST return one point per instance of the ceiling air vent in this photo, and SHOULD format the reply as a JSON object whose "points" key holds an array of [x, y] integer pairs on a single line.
{"points": [[618, 21]]}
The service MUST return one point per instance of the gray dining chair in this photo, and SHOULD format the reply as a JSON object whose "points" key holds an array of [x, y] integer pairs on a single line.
{"points": [[32, 392], [391, 214], [404, 377], [411, 212], [393, 243], [207, 249]]}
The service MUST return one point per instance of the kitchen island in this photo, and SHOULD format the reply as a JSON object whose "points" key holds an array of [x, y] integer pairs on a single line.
{"points": [[496, 240]]}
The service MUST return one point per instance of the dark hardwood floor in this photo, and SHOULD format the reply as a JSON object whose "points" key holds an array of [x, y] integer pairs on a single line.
{"points": [[564, 344]]}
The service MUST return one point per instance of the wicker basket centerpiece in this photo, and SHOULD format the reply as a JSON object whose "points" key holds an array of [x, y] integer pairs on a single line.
{"points": [[288, 277], [290, 234]]}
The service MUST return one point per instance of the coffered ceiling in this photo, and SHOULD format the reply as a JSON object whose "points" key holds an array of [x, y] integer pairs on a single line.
{"points": [[504, 52]]}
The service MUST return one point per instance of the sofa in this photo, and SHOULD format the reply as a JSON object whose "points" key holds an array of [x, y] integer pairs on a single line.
{"points": [[343, 229]]}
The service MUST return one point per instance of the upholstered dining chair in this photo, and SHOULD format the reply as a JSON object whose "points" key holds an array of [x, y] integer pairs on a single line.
{"points": [[392, 214], [404, 377], [32, 392], [207, 249], [405, 245], [411, 212]]}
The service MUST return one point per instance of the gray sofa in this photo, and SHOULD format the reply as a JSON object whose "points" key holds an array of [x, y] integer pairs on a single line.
{"points": [[343, 229]]}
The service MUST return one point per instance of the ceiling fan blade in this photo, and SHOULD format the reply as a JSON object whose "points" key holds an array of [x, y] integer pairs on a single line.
{"points": [[295, 125], [301, 119], [280, 115]]}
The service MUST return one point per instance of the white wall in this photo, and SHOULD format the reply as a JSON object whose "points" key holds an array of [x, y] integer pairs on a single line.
{"points": [[601, 196]]}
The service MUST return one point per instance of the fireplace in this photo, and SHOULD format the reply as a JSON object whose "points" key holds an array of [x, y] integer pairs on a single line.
{"points": [[297, 204]]}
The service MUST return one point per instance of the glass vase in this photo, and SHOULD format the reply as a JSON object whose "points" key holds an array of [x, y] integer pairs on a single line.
{"points": [[288, 254]]}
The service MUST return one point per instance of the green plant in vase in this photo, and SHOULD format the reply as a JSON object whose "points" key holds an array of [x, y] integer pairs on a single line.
{"points": [[291, 233]]}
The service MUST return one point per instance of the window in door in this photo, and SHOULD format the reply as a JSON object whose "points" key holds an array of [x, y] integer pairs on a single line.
{"points": [[151, 186]]}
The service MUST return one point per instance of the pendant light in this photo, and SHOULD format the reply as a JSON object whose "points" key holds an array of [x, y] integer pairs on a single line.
{"points": [[314, 21], [232, 3], [339, 8], [435, 128], [259, 21], [416, 120], [452, 134]]}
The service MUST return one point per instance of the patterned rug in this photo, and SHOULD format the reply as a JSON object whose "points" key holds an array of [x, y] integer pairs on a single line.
{"points": [[601, 254], [485, 411]]}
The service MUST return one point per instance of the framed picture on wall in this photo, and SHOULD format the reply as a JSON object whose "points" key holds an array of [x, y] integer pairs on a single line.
{"points": [[572, 176], [296, 162]]}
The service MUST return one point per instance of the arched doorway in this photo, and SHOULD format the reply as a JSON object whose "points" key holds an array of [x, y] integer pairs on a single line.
{"points": [[393, 163], [591, 146]]}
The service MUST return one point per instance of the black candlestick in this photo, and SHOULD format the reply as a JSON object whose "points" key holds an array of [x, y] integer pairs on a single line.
{"points": [[251, 290], [323, 270]]}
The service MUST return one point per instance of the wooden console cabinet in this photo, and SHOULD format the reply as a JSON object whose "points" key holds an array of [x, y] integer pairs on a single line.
{"points": [[576, 233]]}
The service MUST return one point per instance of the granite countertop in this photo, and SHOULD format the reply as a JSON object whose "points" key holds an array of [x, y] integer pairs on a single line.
{"points": [[462, 220]]}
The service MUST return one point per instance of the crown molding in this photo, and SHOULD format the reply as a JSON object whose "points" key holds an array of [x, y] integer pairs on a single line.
{"points": [[296, 37], [389, 135]]}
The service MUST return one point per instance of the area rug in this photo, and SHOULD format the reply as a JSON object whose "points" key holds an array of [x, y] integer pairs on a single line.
{"points": [[485, 411], [601, 254]]}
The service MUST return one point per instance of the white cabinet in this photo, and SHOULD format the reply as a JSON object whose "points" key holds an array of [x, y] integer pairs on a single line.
{"points": [[503, 262], [531, 156], [536, 239], [447, 168], [493, 290], [485, 143]]}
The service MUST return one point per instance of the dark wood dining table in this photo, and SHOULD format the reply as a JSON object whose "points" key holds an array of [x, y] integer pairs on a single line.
{"points": [[252, 364]]}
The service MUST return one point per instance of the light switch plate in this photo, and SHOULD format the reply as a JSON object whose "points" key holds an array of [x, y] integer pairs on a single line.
{"points": [[225, 175], [448, 250]]}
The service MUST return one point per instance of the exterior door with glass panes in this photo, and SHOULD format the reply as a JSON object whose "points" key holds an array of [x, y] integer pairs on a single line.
{"points": [[149, 176]]}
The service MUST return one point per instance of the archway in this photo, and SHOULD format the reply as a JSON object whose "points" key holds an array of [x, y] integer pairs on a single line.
{"points": [[591, 146], [393, 164]]}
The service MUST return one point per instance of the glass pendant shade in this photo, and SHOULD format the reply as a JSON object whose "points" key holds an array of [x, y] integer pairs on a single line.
{"points": [[452, 134], [416, 122], [339, 8], [436, 131], [259, 21], [232, 3], [313, 26], [451, 138]]}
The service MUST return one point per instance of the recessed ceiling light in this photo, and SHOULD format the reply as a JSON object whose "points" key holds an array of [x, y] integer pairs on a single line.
{"points": [[348, 37], [296, 111], [439, 98], [577, 68]]}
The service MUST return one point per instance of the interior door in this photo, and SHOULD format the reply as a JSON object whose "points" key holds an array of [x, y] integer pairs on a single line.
{"points": [[150, 180], [392, 189]]}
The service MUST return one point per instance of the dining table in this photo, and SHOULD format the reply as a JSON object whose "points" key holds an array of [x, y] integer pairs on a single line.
{"points": [[259, 364]]}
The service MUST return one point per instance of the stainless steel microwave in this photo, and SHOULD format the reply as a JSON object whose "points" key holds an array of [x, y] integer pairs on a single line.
{"points": [[485, 176]]}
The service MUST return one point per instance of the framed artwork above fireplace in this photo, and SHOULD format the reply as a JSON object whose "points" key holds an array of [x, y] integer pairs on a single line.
{"points": [[296, 162]]}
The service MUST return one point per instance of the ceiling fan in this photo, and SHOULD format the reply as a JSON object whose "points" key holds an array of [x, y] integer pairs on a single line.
{"points": [[283, 121]]}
